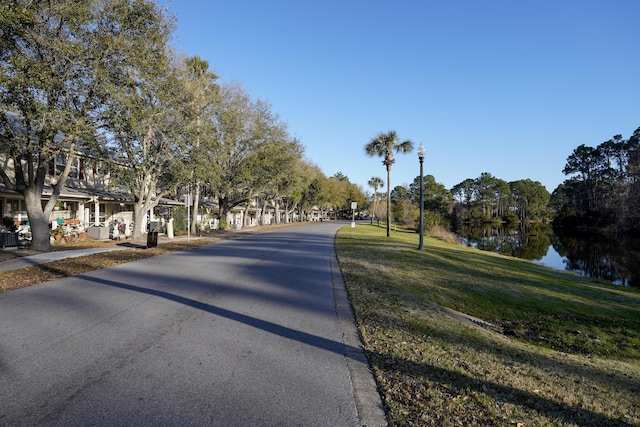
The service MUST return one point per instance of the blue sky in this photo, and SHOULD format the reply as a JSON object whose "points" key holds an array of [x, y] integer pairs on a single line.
{"points": [[506, 87]]}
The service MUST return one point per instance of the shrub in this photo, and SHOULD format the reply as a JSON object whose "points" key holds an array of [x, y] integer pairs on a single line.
{"points": [[510, 218], [8, 223], [179, 219], [223, 223]]}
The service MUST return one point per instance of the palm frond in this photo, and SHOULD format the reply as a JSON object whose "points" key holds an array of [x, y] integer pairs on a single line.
{"points": [[404, 147]]}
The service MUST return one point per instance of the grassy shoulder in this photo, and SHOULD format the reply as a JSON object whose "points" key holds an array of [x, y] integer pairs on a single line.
{"points": [[554, 348]]}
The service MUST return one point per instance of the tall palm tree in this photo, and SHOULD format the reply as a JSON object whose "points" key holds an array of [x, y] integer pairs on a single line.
{"points": [[375, 183], [202, 90], [383, 145]]}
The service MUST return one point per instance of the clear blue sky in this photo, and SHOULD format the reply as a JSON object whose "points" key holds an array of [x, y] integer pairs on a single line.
{"points": [[506, 87]]}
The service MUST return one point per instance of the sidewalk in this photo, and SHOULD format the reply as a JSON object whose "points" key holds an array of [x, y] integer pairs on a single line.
{"points": [[31, 260]]}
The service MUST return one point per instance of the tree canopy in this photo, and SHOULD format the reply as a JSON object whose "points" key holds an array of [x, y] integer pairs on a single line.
{"points": [[60, 62], [100, 79], [603, 186]]}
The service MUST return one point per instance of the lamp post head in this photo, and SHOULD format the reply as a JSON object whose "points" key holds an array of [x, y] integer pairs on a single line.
{"points": [[421, 152]]}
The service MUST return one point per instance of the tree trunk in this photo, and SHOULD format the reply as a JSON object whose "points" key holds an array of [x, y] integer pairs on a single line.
{"points": [[224, 209], [375, 202], [276, 206], [388, 200], [245, 217], [260, 212], [290, 213], [139, 209], [30, 186], [194, 213], [38, 220], [287, 212]]}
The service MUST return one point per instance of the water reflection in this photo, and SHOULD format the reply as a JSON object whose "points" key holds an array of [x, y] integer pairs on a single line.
{"points": [[615, 260]]}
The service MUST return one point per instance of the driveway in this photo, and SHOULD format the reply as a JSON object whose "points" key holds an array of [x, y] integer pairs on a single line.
{"points": [[244, 332]]}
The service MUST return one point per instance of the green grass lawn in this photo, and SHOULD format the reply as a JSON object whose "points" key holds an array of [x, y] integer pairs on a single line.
{"points": [[556, 348]]}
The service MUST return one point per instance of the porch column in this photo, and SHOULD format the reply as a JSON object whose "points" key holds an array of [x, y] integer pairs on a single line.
{"points": [[80, 211], [96, 212]]}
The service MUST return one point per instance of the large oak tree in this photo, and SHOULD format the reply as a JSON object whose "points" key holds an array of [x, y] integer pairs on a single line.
{"points": [[146, 107], [56, 64]]}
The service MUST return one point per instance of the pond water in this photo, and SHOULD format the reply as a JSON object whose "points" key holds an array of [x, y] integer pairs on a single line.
{"points": [[615, 260]]}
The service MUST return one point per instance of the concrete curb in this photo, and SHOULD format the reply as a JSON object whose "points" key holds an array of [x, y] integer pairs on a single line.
{"points": [[366, 396]]}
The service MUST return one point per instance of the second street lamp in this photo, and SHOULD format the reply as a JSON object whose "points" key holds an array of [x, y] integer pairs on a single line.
{"points": [[421, 153]]}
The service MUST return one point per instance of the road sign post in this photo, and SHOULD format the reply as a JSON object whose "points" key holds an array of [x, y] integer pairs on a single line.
{"points": [[354, 206]]}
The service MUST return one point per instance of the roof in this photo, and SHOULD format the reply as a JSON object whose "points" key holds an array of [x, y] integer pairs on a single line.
{"points": [[86, 194]]}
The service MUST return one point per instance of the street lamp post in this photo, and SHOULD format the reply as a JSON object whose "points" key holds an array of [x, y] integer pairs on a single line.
{"points": [[421, 154]]}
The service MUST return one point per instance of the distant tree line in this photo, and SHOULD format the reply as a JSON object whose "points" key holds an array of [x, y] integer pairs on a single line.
{"points": [[487, 199], [602, 194], [603, 191], [480, 200]]}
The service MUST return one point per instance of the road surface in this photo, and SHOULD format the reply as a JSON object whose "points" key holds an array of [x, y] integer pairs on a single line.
{"points": [[244, 332]]}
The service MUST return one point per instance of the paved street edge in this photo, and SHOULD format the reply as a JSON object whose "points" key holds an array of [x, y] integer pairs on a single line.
{"points": [[365, 392]]}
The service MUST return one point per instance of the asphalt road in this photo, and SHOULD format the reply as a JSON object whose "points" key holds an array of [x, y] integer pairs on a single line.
{"points": [[246, 332]]}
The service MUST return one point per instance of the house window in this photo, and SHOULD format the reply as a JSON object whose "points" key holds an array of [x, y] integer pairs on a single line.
{"points": [[102, 215], [73, 172], [17, 209], [56, 167], [59, 164], [122, 207]]}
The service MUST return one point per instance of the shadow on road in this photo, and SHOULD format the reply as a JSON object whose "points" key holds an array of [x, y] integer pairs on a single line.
{"points": [[293, 334]]}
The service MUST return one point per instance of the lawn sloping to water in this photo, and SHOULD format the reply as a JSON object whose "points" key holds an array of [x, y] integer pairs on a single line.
{"points": [[561, 349]]}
